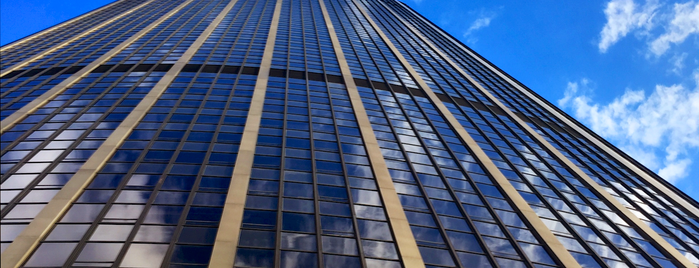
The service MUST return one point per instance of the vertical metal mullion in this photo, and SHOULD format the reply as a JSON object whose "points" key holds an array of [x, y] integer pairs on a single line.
{"points": [[190, 199], [228, 235], [182, 221], [478, 191], [314, 167], [156, 189], [350, 199], [433, 213], [280, 205], [316, 193], [442, 230], [280, 201], [510, 238], [492, 211], [197, 182], [188, 204], [657, 210], [350, 196], [452, 192], [449, 189], [438, 221], [108, 204], [408, 250], [158, 186]]}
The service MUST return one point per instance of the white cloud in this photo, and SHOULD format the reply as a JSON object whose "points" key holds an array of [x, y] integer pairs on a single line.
{"points": [[685, 21], [624, 16], [479, 23], [483, 20], [657, 130], [675, 170], [660, 26], [677, 62]]}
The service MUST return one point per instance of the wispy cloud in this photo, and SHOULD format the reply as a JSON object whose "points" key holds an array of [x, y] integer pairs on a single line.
{"points": [[624, 16], [677, 62], [479, 23], [660, 26], [684, 22], [658, 130], [483, 20]]}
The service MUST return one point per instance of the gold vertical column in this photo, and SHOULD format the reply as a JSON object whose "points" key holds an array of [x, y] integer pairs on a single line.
{"points": [[223, 254], [596, 187], [585, 133], [59, 26], [407, 246], [37, 103], [523, 207], [67, 42], [29, 238]]}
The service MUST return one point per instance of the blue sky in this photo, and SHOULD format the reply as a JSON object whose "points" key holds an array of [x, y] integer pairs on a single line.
{"points": [[628, 69]]}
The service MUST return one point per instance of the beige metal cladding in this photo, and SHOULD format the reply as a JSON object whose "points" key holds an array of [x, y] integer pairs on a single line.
{"points": [[29, 238], [37, 103], [407, 246], [550, 240], [649, 178], [596, 187], [223, 254], [59, 26], [65, 43]]}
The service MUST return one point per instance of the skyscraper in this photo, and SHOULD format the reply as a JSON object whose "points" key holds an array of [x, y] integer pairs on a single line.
{"points": [[305, 133]]}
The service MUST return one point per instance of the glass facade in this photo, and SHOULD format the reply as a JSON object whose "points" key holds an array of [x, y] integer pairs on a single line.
{"points": [[328, 133]]}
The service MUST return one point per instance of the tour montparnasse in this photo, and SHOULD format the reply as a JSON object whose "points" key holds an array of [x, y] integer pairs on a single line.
{"points": [[305, 133]]}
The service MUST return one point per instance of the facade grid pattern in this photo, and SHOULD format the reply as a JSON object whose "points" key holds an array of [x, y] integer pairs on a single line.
{"points": [[14, 53], [309, 133], [23, 86]]}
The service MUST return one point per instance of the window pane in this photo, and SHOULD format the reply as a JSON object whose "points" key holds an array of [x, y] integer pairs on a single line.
{"points": [[298, 259], [144, 255], [340, 245], [298, 241], [51, 254]]}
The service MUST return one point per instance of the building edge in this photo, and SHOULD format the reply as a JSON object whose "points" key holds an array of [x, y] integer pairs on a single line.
{"points": [[683, 200]]}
